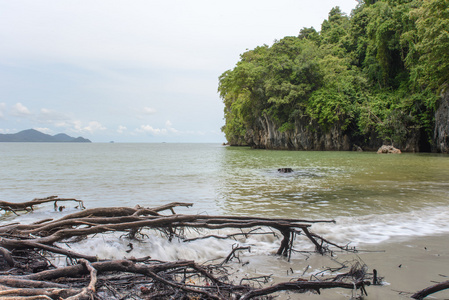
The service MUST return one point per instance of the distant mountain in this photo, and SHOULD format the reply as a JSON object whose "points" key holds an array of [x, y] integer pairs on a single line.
{"points": [[32, 135]]}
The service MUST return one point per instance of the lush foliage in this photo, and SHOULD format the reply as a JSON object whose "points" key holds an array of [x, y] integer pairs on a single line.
{"points": [[378, 71]]}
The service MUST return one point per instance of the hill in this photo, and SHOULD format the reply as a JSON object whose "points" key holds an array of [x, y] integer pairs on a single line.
{"points": [[32, 135], [379, 76]]}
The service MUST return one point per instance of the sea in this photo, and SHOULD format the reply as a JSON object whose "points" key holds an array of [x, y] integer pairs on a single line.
{"points": [[372, 198]]}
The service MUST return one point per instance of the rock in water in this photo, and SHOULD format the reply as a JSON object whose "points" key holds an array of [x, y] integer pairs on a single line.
{"points": [[285, 170], [389, 149]]}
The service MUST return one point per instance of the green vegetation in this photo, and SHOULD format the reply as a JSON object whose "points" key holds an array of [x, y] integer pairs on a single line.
{"points": [[377, 72]]}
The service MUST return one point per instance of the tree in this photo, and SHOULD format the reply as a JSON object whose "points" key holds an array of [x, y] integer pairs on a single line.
{"points": [[432, 24]]}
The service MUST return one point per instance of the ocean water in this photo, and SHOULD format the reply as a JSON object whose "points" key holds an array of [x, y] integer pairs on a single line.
{"points": [[373, 198]]}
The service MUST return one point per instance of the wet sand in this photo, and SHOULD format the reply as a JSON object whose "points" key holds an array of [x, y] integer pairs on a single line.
{"points": [[407, 266]]}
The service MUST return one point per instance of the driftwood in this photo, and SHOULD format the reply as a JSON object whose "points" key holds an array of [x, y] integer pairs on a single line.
{"points": [[100, 220], [211, 287], [28, 206], [304, 286], [431, 290], [29, 272]]}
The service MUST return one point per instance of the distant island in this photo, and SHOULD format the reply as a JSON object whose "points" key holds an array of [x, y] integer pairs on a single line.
{"points": [[34, 136]]}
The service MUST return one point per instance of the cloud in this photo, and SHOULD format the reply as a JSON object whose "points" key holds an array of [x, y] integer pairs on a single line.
{"points": [[2, 110], [57, 119], [121, 129], [93, 127], [62, 120], [48, 116], [20, 110], [158, 131], [169, 127], [148, 110], [44, 130], [6, 131], [143, 113], [151, 130]]}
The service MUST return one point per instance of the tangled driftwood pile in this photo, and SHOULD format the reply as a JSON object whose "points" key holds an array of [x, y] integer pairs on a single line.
{"points": [[28, 271]]}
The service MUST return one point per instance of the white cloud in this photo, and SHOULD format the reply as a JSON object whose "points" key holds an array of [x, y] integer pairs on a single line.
{"points": [[44, 130], [151, 130], [167, 130], [94, 126], [49, 116], [20, 110], [149, 110], [6, 131], [2, 110], [208, 31], [62, 120], [169, 127], [121, 129]]}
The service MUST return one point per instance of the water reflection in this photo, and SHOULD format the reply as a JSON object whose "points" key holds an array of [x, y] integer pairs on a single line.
{"points": [[329, 184]]}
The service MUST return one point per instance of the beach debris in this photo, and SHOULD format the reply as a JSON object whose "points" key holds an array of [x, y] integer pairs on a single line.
{"points": [[28, 205], [431, 290], [29, 251]]}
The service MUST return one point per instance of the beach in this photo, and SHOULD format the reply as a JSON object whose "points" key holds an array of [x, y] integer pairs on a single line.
{"points": [[406, 265]]}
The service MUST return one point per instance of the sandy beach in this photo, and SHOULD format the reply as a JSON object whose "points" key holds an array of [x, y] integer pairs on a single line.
{"points": [[407, 266]]}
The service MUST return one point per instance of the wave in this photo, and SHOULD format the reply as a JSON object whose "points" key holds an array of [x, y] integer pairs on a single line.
{"points": [[355, 231], [377, 228]]}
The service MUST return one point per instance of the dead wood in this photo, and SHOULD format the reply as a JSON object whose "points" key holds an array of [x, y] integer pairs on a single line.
{"points": [[89, 291], [29, 244], [40, 297], [7, 257], [151, 270], [34, 293], [303, 286], [233, 255], [15, 282], [65, 228], [431, 290], [28, 206], [125, 211], [36, 278]]}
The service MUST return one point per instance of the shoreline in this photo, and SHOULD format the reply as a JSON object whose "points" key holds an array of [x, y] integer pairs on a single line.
{"points": [[407, 265]]}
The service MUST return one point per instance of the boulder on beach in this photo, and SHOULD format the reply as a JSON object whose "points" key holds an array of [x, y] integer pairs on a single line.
{"points": [[389, 149]]}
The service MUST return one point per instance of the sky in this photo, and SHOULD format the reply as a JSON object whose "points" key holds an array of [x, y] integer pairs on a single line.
{"points": [[134, 70]]}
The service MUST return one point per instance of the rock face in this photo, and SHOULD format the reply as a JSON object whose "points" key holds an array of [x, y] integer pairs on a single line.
{"points": [[304, 136], [388, 150], [441, 135]]}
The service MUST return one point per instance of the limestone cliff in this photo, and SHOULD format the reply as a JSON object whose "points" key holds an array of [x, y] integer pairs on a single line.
{"points": [[441, 135], [304, 136], [308, 135]]}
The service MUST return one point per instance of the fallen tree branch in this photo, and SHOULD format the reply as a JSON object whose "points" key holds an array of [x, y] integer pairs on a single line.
{"points": [[34, 293], [431, 290], [303, 286], [28, 206], [27, 248], [89, 291], [7, 257], [29, 244], [232, 254], [18, 283]]}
